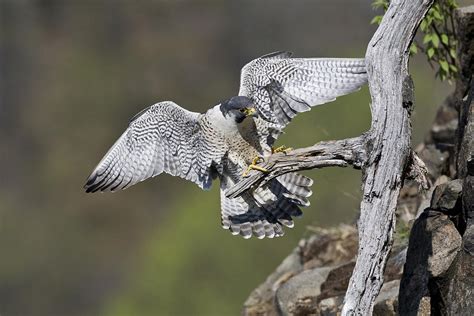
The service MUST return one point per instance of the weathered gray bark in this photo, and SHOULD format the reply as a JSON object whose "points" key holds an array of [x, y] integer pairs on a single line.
{"points": [[384, 153], [391, 89]]}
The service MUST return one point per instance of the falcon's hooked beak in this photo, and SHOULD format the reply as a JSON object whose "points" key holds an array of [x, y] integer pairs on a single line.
{"points": [[249, 111]]}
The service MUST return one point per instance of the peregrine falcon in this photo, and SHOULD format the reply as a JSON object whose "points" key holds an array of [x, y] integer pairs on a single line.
{"points": [[225, 141]]}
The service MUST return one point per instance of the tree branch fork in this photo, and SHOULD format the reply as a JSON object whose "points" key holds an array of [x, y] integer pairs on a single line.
{"points": [[350, 152]]}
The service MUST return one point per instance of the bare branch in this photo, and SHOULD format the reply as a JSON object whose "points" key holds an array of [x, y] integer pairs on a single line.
{"points": [[339, 153]]}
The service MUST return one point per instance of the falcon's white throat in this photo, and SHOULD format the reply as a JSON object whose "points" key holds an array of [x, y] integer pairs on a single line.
{"points": [[227, 124]]}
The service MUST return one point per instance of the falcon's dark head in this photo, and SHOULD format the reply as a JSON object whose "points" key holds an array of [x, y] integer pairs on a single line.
{"points": [[238, 107]]}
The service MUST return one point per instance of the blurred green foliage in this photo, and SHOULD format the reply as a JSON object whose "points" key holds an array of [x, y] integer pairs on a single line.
{"points": [[74, 73]]}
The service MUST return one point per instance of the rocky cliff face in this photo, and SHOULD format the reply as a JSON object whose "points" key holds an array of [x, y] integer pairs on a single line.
{"points": [[431, 268], [314, 277]]}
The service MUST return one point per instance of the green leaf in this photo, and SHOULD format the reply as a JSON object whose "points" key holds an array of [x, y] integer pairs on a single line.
{"points": [[430, 52], [437, 15], [379, 4], [376, 20], [445, 39], [426, 38], [413, 49], [452, 52], [453, 68], [429, 20], [444, 65], [423, 25], [453, 4], [435, 40]]}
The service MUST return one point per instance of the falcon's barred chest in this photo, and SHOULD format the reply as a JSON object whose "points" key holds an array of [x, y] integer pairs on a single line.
{"points": [[243, 141]]}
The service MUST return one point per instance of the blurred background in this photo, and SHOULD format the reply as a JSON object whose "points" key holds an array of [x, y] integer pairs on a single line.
{"points": [[72, 75]]}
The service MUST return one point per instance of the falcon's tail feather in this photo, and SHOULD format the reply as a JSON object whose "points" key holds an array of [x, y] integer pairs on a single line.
{"points": [[298, 186], [265, 211]]}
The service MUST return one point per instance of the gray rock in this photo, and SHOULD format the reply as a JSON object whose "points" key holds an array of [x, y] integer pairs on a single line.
{"points": [[446, 195], [465, 21], [426, 197], [425, 307], [457, 287], [435, 160], [260, 301], [434, 243], [445, 132], [445, 244], [303, 286], [331, 306], [468, 199], [337, 281], [327, 247], [386, 303]]}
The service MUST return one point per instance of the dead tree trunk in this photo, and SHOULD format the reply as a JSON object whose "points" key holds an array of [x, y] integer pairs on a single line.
{"points": [[383, 153], [389, 143]]}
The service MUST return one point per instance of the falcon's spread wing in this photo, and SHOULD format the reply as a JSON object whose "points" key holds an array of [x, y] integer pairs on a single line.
{"points": [[164, 137], [282, 87]]}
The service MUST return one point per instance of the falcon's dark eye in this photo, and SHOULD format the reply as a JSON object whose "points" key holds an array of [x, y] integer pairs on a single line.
{"points": [[242, 110]]}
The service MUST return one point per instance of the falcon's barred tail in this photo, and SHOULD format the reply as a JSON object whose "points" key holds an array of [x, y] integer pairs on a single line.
{"points": [[266, 210], [298, 187]]}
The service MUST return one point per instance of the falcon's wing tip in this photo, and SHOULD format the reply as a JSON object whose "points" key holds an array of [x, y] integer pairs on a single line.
{"points": [[96, 184], [90, 182]]}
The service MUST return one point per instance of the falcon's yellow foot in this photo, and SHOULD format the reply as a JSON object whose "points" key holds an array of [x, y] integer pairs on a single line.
{"points": [[253, 166], [282, 149]]}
